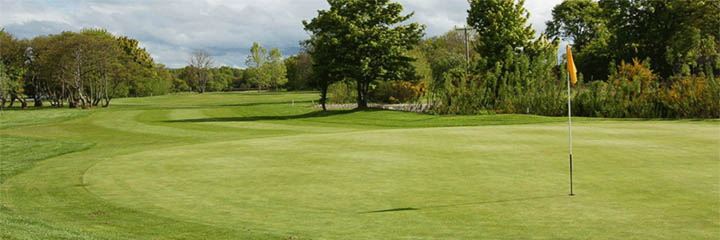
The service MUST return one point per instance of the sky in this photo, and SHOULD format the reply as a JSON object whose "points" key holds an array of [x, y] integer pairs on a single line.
{"points": [[171, 30]]}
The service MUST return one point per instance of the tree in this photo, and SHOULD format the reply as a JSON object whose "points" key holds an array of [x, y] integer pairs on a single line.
{"points": [[326, 71], [304, 71], [368, 42], [502, 34], [4, 86], [276, 69], [582, 23], [201, 62], [501, 28], [81, 69], [444, 54], [578, 21], [679, 37], [299, 69], [12, 57], [256, 60], [511, 68], [292, 74]]}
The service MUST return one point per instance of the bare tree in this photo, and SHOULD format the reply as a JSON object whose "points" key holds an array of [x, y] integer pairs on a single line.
{"points": [[201, 61]]}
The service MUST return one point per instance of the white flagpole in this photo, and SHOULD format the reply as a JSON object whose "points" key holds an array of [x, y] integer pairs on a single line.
{"points": [[570, 133]]}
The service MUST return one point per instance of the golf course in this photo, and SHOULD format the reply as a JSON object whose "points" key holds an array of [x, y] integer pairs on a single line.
{"points": [[270, 165]]}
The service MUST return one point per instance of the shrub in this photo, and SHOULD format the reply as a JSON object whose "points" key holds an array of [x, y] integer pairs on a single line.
{"points": [[398, 92], [342, 92], [693, 96]]}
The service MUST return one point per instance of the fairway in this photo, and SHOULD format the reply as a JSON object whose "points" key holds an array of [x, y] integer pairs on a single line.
{"points": [[269, 166]]}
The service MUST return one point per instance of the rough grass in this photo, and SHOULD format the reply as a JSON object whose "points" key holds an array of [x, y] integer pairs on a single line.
{"points": [[253, 166]]}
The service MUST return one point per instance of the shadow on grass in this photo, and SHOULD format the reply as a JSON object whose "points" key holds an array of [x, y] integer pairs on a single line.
{"points": [[456, 205], [315, 114], [263, 103]]}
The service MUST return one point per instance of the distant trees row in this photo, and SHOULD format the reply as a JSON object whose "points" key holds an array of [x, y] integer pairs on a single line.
{"points": [[83, 69], [92, 67], [264, 71]]}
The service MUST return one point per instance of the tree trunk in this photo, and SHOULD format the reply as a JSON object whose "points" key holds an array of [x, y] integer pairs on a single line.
{"points": [[362, 89], [38, 101], [107, 102], [323, 97]]}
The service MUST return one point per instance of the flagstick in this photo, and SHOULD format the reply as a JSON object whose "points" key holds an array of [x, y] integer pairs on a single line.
{"points": [[570, 132]]}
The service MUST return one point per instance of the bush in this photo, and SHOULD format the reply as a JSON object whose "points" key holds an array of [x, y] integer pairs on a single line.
{"points": [[398, 92], [342, 92], [693, 96], [633, 90]]}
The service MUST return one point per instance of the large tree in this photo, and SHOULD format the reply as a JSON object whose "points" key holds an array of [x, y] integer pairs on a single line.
{"points": [[363, 40]]}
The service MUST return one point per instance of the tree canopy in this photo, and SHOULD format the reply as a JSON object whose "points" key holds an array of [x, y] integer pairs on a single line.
{"points": [[364, 41]]}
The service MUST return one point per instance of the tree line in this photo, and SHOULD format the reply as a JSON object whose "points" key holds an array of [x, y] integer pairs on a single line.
{"points": [[84, 69], [91, 67], [264, 71], [636, 58]]}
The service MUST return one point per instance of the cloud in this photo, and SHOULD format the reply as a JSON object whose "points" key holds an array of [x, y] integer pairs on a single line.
{"points": [[171, 29]]}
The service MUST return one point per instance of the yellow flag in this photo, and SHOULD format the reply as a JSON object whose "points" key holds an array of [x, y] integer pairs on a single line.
{"points": [[571, 66]]}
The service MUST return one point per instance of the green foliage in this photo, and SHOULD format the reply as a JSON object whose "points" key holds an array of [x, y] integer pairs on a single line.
{"points": [[256, 61], [12, 67], [87, 69], [268, 70], [342, 92], [369, 42], [444, 54], [582, 23], [299, 71], [292, 73], [221, 78], [276, 69], [501, 28], [579, 21], [678, 36], [634, 90], [511, 73]]}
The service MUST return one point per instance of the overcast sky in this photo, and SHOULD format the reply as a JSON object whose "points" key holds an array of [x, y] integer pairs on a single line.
{"points": [[171, 29]]}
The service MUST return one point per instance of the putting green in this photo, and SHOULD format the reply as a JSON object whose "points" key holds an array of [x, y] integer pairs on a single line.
{"points": [[437, 182], [254, 166]]}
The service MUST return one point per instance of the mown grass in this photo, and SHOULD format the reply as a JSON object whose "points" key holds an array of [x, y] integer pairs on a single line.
{"points": [[17, 155], [255, 166]]}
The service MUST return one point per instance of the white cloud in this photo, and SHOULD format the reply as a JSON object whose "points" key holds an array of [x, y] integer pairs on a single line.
{"points": [[171, 29]]}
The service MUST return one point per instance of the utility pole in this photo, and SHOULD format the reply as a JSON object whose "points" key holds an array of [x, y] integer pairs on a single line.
{"points": [[465, 29]]}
